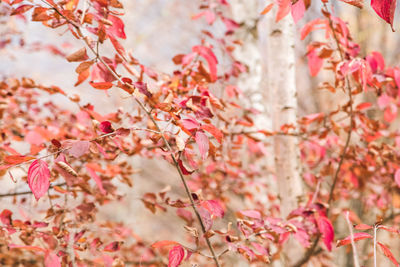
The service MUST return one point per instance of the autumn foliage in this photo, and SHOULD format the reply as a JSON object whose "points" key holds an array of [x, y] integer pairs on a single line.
{"points": [[195, 119]]}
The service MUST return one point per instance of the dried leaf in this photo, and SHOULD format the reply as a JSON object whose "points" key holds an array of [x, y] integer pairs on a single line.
{"points": [[77, 56]]}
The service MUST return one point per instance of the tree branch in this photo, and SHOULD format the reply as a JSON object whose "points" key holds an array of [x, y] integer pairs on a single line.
{"points": [[310, 252], [148, 113]]}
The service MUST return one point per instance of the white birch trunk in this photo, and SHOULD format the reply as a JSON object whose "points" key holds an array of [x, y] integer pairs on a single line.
{"points": [[279, 85]]}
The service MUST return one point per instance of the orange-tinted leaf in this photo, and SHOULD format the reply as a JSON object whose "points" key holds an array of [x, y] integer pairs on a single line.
{"points": [[267, 9], [164, 243], [16, 159], [101, 85], [79, 55], [363, 106], [214, 131], [283, 9], [40, 14], [363, 227], [356, 237]]}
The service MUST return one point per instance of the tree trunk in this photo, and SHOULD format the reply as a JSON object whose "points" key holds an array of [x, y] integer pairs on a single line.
{"points": [[279, 85]]}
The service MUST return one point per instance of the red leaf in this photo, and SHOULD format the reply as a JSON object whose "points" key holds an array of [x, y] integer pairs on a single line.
{"points": [[214, 131], [397, 177], [314, 61], [176, 255], [97, 179], [5, 217], [385, 9], [326, 229], [79, 148], [39, 178], [163, 243], [183, 168], [363, 106], [203, 143], [356, 237], [106, 127], [21, 9], [388, 253], [52, 260], [16, 159], [211, 59], [117, 28], [283, 9], [298, 10], [101, 85]]}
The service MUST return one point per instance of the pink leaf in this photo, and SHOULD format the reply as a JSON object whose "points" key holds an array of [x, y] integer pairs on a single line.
{"points": [[97, 179], [79, 148], [214, 207], [34, 138], [326, 229], [205, 217], [397, 177], [251, 213], [52, 260], [176, 255], [39, 178], [203, 143], [117, 28], [385, 9], [356, 237], [388, 253], [211, 59], [190, 124], [298, 10]]}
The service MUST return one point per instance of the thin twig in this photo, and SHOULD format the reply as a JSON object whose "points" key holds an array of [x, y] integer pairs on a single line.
{"points": [[26, 192], [375, 230], [353, 244]]}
